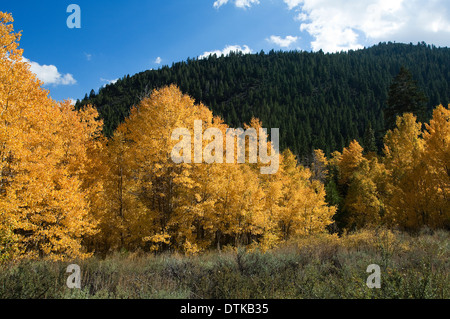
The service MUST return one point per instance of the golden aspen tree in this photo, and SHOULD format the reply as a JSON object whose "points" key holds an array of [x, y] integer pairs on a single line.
{"points": [[437, 162], [123, 222], [293, 183], [10, 64], [365, 201], [225, 204], [94, 159], [270, 191], [316, 213], [303, 209], [410, 199], [195, 214], [351, 158], [238, 208], [42, 201], [418, 162], [145, 173], [361, 204]]}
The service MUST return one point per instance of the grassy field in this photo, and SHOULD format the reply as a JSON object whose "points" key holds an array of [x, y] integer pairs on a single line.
{"points": [[412, 266]]}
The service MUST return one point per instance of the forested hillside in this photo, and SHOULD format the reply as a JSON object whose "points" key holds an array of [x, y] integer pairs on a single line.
{"points": [[319, 101]]}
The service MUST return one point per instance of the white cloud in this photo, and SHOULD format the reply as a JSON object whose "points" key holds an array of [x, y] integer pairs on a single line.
{"points": [[106, 81], [88, 56], [49, 74], [237, 3], [245, 3], [284, 43], [339, 25], [226, 51], [293, 3], [217, 4], [158, 60]]}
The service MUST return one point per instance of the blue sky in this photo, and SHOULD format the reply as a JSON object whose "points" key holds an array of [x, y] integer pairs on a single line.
{"points": [[117, 37]]}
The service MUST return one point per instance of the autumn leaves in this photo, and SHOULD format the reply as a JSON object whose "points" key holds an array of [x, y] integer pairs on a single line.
{"points": [[235, 141], [407, 187], [47, 152], [161, 204], [67, 192]]}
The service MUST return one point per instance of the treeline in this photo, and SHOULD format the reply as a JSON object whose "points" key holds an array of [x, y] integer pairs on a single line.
{"points": [[319, 101], [408, 186]]}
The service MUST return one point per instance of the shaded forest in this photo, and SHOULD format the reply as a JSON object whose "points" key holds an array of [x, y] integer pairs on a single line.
{"points": [[319, 101]]}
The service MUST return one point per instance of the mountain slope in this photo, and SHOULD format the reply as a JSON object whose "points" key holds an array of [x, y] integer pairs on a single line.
{"points": [[317, 100]]}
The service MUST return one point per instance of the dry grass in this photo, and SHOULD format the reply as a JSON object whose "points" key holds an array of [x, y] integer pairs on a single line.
{"points": [[316, 267]]}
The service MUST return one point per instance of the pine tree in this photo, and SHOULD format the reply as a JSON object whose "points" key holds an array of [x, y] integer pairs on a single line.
{"points": [[404, 97], [369, 142]]}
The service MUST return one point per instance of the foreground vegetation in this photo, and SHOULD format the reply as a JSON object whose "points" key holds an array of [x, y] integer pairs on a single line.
{"points": [[68, 192], [412, 266]]}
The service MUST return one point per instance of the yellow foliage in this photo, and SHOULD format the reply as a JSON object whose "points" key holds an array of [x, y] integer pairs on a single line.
{"points": [[45, 148], [363, 201], [200, 205], [419, 171], [410, 186], [63, 183], [351, 158]]}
